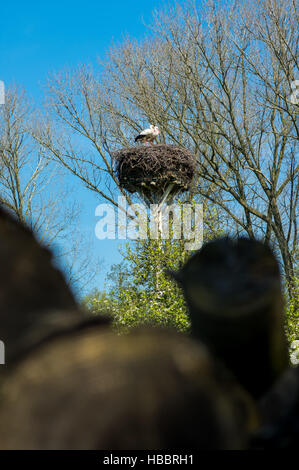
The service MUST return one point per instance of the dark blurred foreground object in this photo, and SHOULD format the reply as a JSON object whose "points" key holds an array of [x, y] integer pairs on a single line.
{"points": [[233, 292], [35, 301], [279, 412], [149, 389]]}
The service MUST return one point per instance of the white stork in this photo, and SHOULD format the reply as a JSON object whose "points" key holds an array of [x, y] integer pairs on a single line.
{"points": [[148, 135]]}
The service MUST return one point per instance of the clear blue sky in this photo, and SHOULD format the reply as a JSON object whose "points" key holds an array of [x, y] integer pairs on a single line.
{"points": [[37, 38]]}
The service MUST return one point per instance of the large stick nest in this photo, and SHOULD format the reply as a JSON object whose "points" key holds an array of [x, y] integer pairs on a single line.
{"points": [[151, 169]]}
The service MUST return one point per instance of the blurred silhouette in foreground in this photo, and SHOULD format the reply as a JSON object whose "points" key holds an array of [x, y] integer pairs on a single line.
{"points": [[70, 383], [233, 292], [279, 414], [149, 389], [35, 301]]}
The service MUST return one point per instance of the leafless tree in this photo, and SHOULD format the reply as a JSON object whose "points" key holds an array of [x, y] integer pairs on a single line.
{"points": [[215, 78], [32, 186]]}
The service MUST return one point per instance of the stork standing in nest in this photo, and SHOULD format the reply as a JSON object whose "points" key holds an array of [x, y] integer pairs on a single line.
{"points": [[148, 135]]}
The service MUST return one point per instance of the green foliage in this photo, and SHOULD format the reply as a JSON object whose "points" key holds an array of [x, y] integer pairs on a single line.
{"points": [[142, 293], [149, 296], [292, 314], [140, 290], [99, 303]]}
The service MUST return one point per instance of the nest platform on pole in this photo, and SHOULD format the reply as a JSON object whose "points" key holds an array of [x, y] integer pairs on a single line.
{"points": [[156, 172]]}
